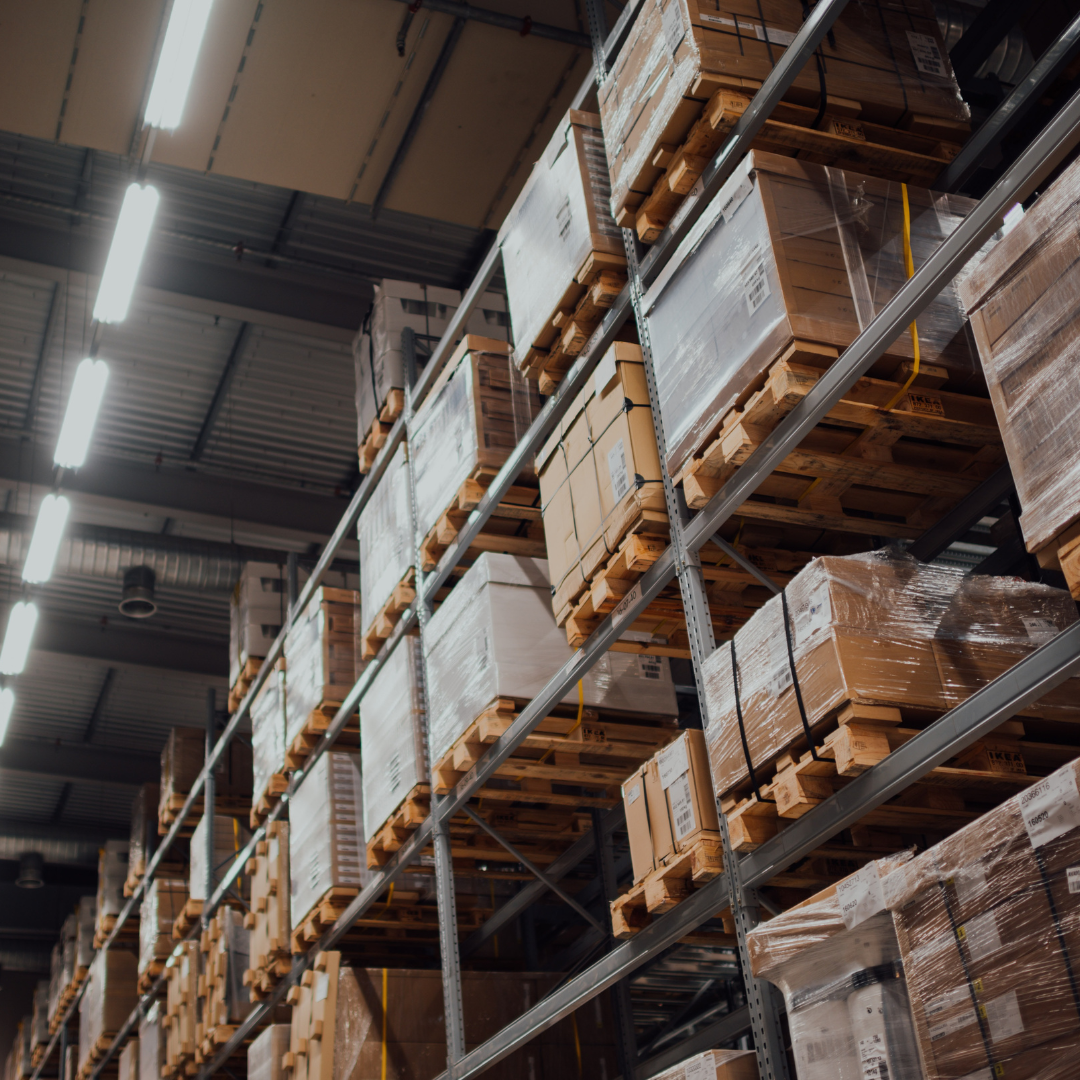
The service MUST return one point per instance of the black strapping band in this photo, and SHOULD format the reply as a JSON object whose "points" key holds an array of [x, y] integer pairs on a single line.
{"points": [[795, 677], [742, 727], [1057, 929]]}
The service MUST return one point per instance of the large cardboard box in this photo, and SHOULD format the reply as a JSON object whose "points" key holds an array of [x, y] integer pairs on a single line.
{"points": [[1023, 299], [112, 873], [162, 904], [715, 1065], [109, 998], [151, 1042], [269, 731], [557, 237], [600, 474], [230, 837], [265, 1054], [883, 61], [791, 252], [143, 833], [861, 629], [269, 919], [182, 759], [669, 804]]}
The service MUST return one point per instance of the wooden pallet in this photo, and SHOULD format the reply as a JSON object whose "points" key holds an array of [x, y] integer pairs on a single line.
{"points": [[151, 975], [107, 923], [792, 130], [164, 870], [67, 996], [187, 920], [97, 1052], [583, 306], [243, 682], [276, 786], [667, 886], [37, 1055], [388, 837], [515, 526], [1063, 554], [305, 740], [382, 626], [861, 470], [223, 804], [380, 429], [262, 979]]}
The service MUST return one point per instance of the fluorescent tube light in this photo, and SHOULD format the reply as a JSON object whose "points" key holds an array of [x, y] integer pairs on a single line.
{"points": [[45, 543], [176, 64], [7, 705], [126, 253], [84, 402], [20, 631]]}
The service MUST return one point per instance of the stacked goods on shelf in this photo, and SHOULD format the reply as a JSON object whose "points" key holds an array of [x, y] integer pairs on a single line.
{"points": [[789, 262], [879, 96], [151, 1043], [143, 830], [268, 732], [111, 993], [562, 252], [715, 1065], [320, 665], [182, 760], [39, 1023], [674, 832], [348, 1022], [989, 930], [257, 612], [225, 946], [490, 648], [230, 836], [128, 1065], [18, 1062], [269, 920], [112, 873], [265, 1054], [62, 966], [393, 733], [836, 959], [1023, 303], [162, 904], [379, 361], [387, 554], [77, 942], [181, 1011], [475, 414]]}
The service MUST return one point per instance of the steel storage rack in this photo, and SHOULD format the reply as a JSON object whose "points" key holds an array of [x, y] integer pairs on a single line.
{"points": [[1024, 683]]}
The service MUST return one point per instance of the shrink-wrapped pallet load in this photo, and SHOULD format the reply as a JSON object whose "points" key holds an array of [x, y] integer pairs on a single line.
{"points": [[226, 948], [562, 252], [326, 832], [495, 637], [393, 733], [269, 919], [112, 873], [230, 837], [182, 760], [128, 1065], [265, 1054], [181, 1010], [600, 475], [836, 959], [143, 831], [882, 63], [268, 731], [111, 994], [162, 904], [988, 923], [377, 354], [715, 1065], [858, 628], [257, 612], [792, 260], [62, 962], [151, 1043], [1023, 300]]}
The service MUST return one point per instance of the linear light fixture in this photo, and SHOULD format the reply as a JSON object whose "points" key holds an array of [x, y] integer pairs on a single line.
{"points": [[17, 638], [84, 402], [7, 706], [126, 253], [45, 542], [176, 64]]}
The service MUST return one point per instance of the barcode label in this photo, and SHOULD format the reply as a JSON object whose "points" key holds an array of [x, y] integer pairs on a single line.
{"points": [[672, 21], [633, 795], [650, 667], [981, 935], [756, 284], [927, 55], [860, 896], [616, 464], [672, 763], [1040, 630], [1051, 808], [393, 771], [736, 198], [950, 1027], [1072, 875], [1003, 1016], [682, 807], [780, 669], [815, 616]]}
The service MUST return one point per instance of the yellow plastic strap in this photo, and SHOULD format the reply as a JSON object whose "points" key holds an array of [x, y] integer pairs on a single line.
{"points": [[389, 898], [577, 1043], [384, 1004], [909, 266]]}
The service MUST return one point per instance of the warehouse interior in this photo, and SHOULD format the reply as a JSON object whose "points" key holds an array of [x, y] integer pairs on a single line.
{"points": [[324, 148]]}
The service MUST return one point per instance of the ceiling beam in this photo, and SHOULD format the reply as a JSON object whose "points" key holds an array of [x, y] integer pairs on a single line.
{"points": [[143, 647], [79, 762], [179, 493], [86, 833]]}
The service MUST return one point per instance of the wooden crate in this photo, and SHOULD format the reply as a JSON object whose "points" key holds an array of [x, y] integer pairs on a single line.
{"points": [[380, 428]]}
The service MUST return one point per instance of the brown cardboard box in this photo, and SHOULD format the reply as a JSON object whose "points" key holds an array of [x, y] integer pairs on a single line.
{"points": [[181, 1007], [269, 919], [162, 904], [108, 1000], [715, 1065], [1023, 299], [182, 760], [883, 61], [599, 474]]}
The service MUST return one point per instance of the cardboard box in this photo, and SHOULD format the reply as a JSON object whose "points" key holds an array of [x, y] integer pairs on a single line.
{"points": [[143, 832], [669, 804], [182, 759], [883, 62], [861, 629], [265, 1054], [151, 1042], [162, 904], [269, 919], [108, 1000], [715, 1065], [181, 1007], [269, 730], [128, 1068], [791, 252], [112, 873], [600, 474]]}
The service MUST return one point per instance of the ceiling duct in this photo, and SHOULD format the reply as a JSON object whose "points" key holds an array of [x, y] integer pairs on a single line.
{"points": [[138, 597], [31, 870]]}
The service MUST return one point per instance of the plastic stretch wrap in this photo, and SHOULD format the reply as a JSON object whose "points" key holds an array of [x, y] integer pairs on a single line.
{"points": [[1023, 300], [393, 733], [151, 1043], [387, 544], [860, 627], [990, 624], [128, 1066], [495, 636], [836, 959], [257, 612], [230, 836], [562, 215], [886, 57], [476, 413], [112, 873], [715, 1065], [599, 473], [988, 922], [792, 251], [143, 830], [84, 936], [110, 996], [320, 661], [326, 832], [427, 310], [266, 1051], [268, 727], [162, 903]]}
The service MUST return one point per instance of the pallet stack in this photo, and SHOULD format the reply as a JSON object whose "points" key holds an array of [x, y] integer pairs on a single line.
{"points": [[225, 1000], [107, 1002], [269, 730], [182, 759], [39, 1023], [267, 1052], [230, 837], [152, 1037], [141, 841], [76, 955], [112, 873], [269, 919], [162, 905], [181, 1013], [257, 612]]}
